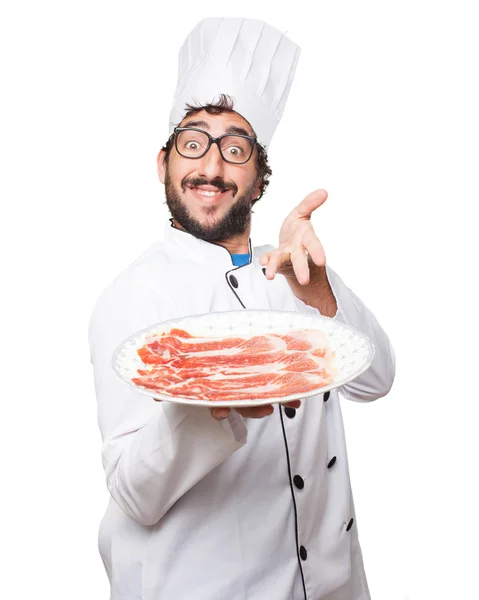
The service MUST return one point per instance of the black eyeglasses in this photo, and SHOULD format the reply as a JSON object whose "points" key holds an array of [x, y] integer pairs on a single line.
{"points": [[195, 143]]}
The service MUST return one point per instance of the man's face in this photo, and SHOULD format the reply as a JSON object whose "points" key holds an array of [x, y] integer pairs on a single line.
{"points": [[227, 213]]}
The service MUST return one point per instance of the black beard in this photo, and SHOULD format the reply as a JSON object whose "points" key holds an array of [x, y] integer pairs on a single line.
{"points": [[233, 223]]}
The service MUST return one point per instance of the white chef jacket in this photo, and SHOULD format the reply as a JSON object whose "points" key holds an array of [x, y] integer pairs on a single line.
{"points": [[239, 509]]}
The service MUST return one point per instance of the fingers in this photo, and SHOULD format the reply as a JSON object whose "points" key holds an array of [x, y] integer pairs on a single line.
{"points": [[299, 258], [250, 412], [314, 248], [220, 413], [292, 404], [264, 258], [311, 203], [256, 412], [275, 260]]}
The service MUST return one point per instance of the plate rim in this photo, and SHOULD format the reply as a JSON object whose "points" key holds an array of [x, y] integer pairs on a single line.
{"points": [[245, 402]]}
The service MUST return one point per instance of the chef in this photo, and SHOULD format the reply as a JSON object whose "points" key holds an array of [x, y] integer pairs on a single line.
{"points": [[228, 504]]}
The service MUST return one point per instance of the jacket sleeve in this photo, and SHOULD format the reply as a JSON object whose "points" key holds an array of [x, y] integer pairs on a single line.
{"points": [[378, 379], [153, 452]]}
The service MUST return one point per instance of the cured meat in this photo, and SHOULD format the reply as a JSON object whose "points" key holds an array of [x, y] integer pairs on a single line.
{"points": [[236, 368]]}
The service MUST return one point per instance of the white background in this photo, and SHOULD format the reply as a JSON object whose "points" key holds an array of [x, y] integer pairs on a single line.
{"points": [[383, 114]]}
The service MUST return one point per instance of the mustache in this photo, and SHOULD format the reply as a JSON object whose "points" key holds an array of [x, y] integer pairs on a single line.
{"points": [[218, 183]]}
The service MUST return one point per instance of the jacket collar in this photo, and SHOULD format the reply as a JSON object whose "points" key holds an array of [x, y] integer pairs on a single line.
{"points": [[180, 241]]}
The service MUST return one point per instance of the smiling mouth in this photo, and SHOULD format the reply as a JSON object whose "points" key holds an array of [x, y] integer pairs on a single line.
{"points": [[207, 193]]}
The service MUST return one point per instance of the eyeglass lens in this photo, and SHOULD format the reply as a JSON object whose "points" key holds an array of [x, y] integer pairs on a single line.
{"points": [[192, 144]]}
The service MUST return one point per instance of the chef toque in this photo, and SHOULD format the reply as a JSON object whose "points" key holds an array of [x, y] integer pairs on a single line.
{"points": [[247, 59]]}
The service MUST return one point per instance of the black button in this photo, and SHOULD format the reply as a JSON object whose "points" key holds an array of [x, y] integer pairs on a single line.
{"points": [[326, 396], [298, 482], [331, 462], [234, 281], [303, 553], [350, 524], [264, 270], [290, 412]]}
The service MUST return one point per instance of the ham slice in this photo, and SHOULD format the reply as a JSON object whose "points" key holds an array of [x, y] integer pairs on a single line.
{"points": [[178, 363]]}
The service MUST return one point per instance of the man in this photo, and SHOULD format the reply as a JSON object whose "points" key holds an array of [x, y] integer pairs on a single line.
{"points": [[229, 504]]}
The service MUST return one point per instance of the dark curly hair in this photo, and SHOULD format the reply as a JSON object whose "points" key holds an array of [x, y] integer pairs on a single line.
{"points": [[225, 104]]}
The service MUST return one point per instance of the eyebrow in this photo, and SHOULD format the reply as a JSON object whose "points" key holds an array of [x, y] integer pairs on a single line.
{"points": [[230, 129]]}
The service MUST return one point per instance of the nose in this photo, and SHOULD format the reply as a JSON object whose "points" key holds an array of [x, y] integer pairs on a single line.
{"points": [[211, 164]]}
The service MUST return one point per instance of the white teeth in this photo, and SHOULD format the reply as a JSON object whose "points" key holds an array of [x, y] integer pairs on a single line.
{"points": [[206, 193]]}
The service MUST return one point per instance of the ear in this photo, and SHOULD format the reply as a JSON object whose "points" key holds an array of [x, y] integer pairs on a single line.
{"points": [[160, 165]]}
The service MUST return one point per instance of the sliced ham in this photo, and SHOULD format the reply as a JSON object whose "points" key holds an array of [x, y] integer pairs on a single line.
{"points": [[178, 363]]}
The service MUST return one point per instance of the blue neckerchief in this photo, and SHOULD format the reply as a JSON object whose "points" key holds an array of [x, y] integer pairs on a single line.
{"points": [[240, 259]]}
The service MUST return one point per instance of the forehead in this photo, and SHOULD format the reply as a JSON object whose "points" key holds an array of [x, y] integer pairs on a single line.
{"points": [[225, 122]]}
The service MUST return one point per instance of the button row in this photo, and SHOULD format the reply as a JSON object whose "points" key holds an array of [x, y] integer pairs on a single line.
{"points": [[299, 481], [234, 281], [291, 412], [304, 553]]}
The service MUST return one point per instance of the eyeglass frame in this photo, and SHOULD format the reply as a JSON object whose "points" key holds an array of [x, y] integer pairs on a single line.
{"points": [[213, 140]]}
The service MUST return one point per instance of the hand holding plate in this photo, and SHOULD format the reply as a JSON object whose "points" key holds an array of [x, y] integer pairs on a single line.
{"points": [[253, 412]]}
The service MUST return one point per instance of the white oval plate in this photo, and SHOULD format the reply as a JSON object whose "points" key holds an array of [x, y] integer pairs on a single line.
{"points": [[353, 350]]}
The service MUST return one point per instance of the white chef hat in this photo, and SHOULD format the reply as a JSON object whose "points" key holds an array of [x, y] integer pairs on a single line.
{"points": [[247, 59]]}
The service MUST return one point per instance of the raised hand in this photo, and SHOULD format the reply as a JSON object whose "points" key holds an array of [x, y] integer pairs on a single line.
{"points": [[299, 247]]}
